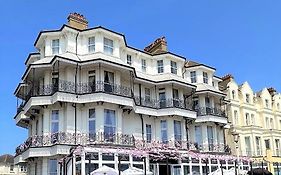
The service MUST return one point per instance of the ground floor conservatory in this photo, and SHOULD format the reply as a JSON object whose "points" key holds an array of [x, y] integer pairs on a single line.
{"points": [[158, 160]]}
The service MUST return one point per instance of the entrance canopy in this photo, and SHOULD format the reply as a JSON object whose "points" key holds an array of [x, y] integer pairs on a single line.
{"points": [[135, 171], [105, 170]]}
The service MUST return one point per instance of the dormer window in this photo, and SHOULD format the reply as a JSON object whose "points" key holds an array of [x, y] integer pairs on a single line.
{"points": [[174, 68], [247, 98], [129, 59], [160, 66], [266, 103], [91, 44], [193, 77], [55, 46], [108, 46], [205, 77]]}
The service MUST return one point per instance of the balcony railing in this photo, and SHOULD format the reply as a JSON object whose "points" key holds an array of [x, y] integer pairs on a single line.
{"points": [[103, 87], [162, 104], [210, 147], [63, 138], [187, 145], [202, 111]]}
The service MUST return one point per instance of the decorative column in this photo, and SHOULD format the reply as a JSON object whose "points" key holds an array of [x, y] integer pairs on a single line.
{"points": [[83, 167]]}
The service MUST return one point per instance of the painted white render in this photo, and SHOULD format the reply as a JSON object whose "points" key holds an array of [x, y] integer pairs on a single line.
{"points": [[59, 90]]}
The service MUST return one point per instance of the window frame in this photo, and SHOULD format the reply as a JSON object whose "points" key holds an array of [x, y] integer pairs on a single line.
{"points": [[205, 78], [148, 128], [143, 65], [164, 131], [52, 172], [193, 77], [177, 136], [55, 48], [129, 59], [107, 47], [92, 120], [160, 68], [91, 45], [55, 121], [174, 67]]}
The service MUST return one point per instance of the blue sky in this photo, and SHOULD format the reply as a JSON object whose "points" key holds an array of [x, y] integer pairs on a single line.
{"points": [[235, 36]]}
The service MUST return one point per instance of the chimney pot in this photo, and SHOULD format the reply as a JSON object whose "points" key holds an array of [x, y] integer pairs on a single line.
{"points": [[77, 21]]}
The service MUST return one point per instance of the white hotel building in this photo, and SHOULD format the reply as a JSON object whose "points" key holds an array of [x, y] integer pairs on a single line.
{"points": [[86, 86]]}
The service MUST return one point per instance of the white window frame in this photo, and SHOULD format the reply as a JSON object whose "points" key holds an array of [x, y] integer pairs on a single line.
{"points": [[55, 46], [247, 119], [92, 118], [143, 65], [266, 103], [129, 59], [247, 98], [91, 44], [205, 78], [193, 77], [108, 48], [174, 67], [164, 131], [50, 171], [160, 66], [55, 120], [148, 134], [147, 94], [177, 136], [109, 125]]}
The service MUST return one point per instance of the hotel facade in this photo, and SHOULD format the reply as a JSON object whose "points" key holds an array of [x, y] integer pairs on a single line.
{"points": [[256, 117], [88, 99]]}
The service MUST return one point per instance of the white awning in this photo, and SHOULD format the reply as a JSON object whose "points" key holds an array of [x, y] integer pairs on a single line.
{"points": [[135, 171], [105, 170]]}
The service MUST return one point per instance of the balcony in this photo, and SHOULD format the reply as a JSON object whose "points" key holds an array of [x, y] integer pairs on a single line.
{"points": [[202, 111], [186, 145], [206, 114], [102, 87], [210, 148], [63, 138], [161, 104]]}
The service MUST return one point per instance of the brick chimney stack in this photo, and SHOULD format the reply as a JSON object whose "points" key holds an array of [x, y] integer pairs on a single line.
{"points": [[158, 46], [272, 91], [77, 21]]}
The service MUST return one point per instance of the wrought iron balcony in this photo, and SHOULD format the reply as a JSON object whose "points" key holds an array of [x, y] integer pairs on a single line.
{"points": [[202, 111], [63, 138], [210, 147], [162, 104], [187, 145], [79, 88]]}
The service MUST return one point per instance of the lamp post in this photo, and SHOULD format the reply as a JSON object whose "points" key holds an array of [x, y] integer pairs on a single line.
{"points": [[236, 140]]}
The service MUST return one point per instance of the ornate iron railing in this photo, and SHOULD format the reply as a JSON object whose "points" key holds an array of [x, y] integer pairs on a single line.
{"points": [[210, 111], [78, 88], [103, 87], [162, 104], [63, 138], [187, 145]]}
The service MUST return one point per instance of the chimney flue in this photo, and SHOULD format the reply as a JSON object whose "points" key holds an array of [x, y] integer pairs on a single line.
{"points": [[158, 46], [77, 21]]}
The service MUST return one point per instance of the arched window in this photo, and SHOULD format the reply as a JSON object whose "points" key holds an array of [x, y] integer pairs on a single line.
{"points": [[278, 106], [233, 94]]}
